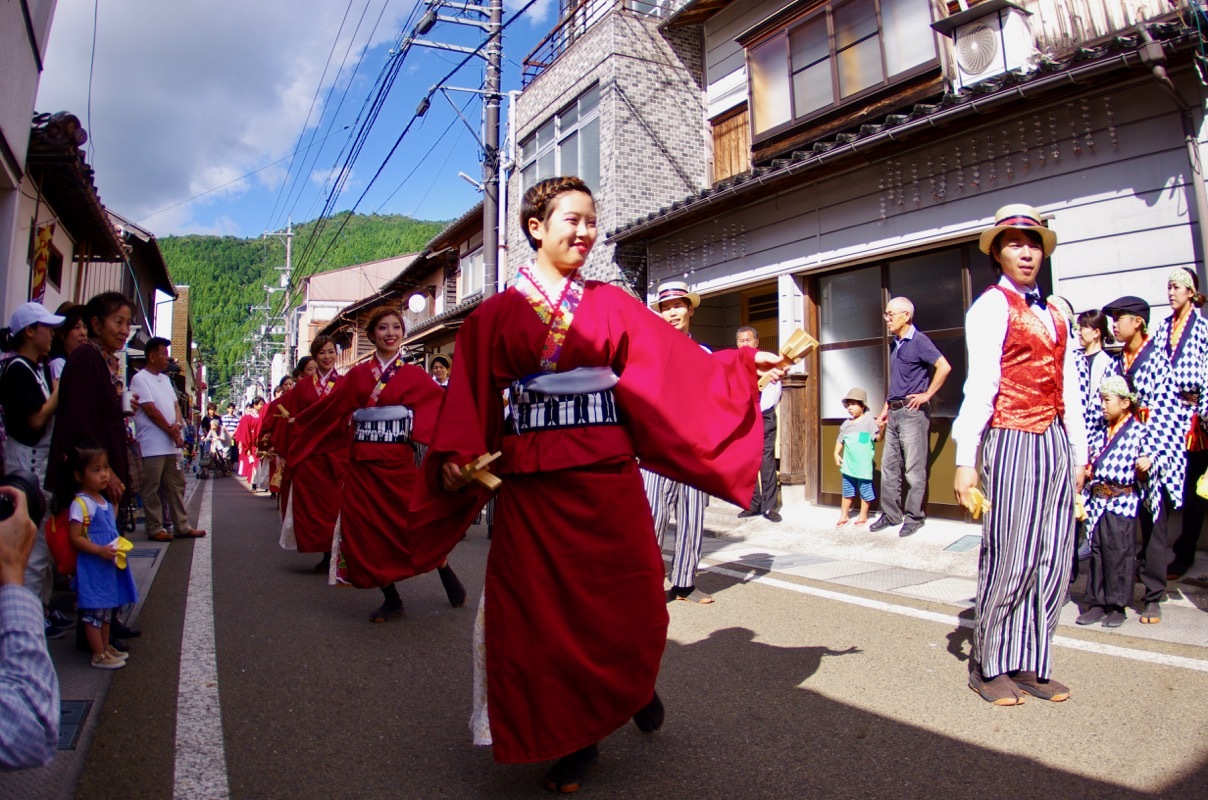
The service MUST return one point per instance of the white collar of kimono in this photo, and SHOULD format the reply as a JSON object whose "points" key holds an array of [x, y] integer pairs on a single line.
{"points": [[552, 292], [387, 362]]}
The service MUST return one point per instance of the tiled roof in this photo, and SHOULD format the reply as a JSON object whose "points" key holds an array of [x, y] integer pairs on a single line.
{"points": [[1084, 64]]}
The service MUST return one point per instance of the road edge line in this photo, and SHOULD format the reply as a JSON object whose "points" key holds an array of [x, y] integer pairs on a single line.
{"points": [[201, 769], [1162, 659]]}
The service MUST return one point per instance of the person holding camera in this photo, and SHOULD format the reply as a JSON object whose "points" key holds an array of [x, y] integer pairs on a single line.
{"points": [[30, 397], [29, 687]]}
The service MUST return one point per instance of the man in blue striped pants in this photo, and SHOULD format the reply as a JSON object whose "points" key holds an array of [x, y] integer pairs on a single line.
{"points": [[1022, 393]]}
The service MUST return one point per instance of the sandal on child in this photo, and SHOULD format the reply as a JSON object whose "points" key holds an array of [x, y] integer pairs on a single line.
{"points": [[841, 523], [567, 774]]}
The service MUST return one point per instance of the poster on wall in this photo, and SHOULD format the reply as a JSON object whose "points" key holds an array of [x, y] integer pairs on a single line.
{"points": [[37, 276]]}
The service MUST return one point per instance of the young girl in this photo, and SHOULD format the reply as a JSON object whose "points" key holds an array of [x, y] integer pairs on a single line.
{"points": [[1120, 455], [390, 408], [102, 586], [1094, 333], [574, 616], [854, 451]]}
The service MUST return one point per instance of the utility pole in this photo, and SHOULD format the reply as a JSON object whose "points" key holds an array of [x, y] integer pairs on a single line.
{"points": [[286, 287], [489, 19], [490, 146]]}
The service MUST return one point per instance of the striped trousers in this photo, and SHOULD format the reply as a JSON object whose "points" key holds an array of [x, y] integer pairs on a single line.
{"points": [[1027, 548], [689, 503]]}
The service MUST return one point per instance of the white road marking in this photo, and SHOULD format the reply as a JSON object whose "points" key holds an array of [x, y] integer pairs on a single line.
{"points": [[1163, 659], [201, 770]]}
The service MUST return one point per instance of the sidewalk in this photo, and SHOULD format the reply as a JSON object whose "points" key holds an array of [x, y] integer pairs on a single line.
{"points": [[83, 689], [937, 564]]}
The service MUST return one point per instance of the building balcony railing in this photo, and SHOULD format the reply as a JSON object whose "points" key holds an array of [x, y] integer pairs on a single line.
{"points": [[575, 21], [1060, 26]]}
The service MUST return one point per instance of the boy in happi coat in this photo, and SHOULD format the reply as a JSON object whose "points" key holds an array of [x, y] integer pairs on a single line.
{"points": [[1121, 454], [1148, 372]]}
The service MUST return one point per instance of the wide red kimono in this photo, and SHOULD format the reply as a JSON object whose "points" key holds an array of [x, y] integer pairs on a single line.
{"points": [[574, 609], [313, 501], [374, 545], [246, 434]]}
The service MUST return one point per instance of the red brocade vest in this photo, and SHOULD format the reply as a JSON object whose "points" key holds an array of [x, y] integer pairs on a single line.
{"points": [[1030, 391]]}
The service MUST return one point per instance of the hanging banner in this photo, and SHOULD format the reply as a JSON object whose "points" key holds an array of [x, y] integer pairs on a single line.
{"points": [[37, 277]]}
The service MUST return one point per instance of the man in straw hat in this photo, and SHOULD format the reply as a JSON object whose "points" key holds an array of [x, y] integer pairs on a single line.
{"points": [[677, 305], [1023, 386]]}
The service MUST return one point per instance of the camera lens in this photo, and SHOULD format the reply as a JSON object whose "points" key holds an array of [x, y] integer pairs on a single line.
{"points": [[27, 483]]}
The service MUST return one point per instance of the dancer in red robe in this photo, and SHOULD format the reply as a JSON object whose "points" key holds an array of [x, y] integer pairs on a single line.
{"points": [[271, 419], [392, 407], [313, 504], [246, 435], [574, 617], [275, 431]]}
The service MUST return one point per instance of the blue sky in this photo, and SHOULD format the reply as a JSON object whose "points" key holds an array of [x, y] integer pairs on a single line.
{"points": [[213, 98]]}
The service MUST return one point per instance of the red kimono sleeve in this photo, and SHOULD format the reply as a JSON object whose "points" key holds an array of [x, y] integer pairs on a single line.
{"points": [[693, 416], [323, 427]]}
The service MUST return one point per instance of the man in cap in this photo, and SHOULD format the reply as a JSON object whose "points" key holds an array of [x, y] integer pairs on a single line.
{"points": [[917, 370], [677, 305], [1023, 386], [1149, 374]]}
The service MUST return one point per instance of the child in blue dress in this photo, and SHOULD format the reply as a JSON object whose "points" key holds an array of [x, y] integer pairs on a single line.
{"points": [[102, 586]]}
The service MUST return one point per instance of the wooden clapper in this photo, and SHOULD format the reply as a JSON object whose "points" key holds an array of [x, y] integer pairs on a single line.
{"points": [[477, 470], [795, 348]]}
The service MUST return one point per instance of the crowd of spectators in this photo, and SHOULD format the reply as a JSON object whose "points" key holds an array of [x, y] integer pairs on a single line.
{"points": [[80, 450]]}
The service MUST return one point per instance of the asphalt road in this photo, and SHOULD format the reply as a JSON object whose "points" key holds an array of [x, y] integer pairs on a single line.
{"points": [[769, 693]]}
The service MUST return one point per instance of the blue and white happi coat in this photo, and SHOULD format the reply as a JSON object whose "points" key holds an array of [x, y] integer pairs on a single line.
{"points": [[1092, 404], [1115, 462], [1150, 377]]}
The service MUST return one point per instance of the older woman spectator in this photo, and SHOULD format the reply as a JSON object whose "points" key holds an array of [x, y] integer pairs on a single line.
{"points": [[91, 404]]}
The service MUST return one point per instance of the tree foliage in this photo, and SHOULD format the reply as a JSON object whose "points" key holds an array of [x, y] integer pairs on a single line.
{"points": [[226, 275]]}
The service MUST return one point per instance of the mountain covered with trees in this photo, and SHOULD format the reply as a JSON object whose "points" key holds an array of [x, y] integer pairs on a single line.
{"points": [[226, 275]]}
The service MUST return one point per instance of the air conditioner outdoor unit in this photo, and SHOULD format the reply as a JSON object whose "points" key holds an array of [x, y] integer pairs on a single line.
{"points": [[989, 39]]}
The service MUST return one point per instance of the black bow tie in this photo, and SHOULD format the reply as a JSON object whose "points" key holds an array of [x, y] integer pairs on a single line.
{"points": [[1034, 299]]}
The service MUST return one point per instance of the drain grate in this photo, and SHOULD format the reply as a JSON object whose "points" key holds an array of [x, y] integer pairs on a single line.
{"points": [[964, 544], [71, 722]]}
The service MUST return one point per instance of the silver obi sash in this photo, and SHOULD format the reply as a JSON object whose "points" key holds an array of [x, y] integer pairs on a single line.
{"points": [[382, 425], [578, 398]]}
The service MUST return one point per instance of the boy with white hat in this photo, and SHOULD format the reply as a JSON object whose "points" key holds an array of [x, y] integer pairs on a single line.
{"points": [[677, 305]]}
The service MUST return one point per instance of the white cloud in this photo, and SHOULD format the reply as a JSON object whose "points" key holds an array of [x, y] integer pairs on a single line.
{"points": [[188, 96]]}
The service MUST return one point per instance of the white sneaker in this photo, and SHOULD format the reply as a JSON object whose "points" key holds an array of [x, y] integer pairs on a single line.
{"points": [[113, 652]]}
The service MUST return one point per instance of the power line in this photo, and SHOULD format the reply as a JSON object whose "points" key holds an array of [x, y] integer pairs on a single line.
{"points": [[313, 100], [236, 180], [305, 269]]}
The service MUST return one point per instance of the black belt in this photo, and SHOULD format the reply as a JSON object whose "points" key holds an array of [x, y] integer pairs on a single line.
{"points": [[537, 411], [898, 405]]}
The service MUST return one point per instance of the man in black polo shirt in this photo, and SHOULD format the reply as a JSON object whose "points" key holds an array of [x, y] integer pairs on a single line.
{"points": [[917, 370]]}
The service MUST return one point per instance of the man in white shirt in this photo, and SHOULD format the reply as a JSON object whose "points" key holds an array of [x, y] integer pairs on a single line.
{"points": [[1022, 384], [764, 500], [158, 424]]}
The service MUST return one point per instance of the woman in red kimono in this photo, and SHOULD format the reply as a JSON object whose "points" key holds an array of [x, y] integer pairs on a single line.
{"points": [[574, 620], [314, 498], [270, 421], [277, 425], [246, 435], [392, 408]]}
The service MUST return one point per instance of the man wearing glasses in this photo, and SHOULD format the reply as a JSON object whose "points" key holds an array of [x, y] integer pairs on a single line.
{"points": [[917, 370]]}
